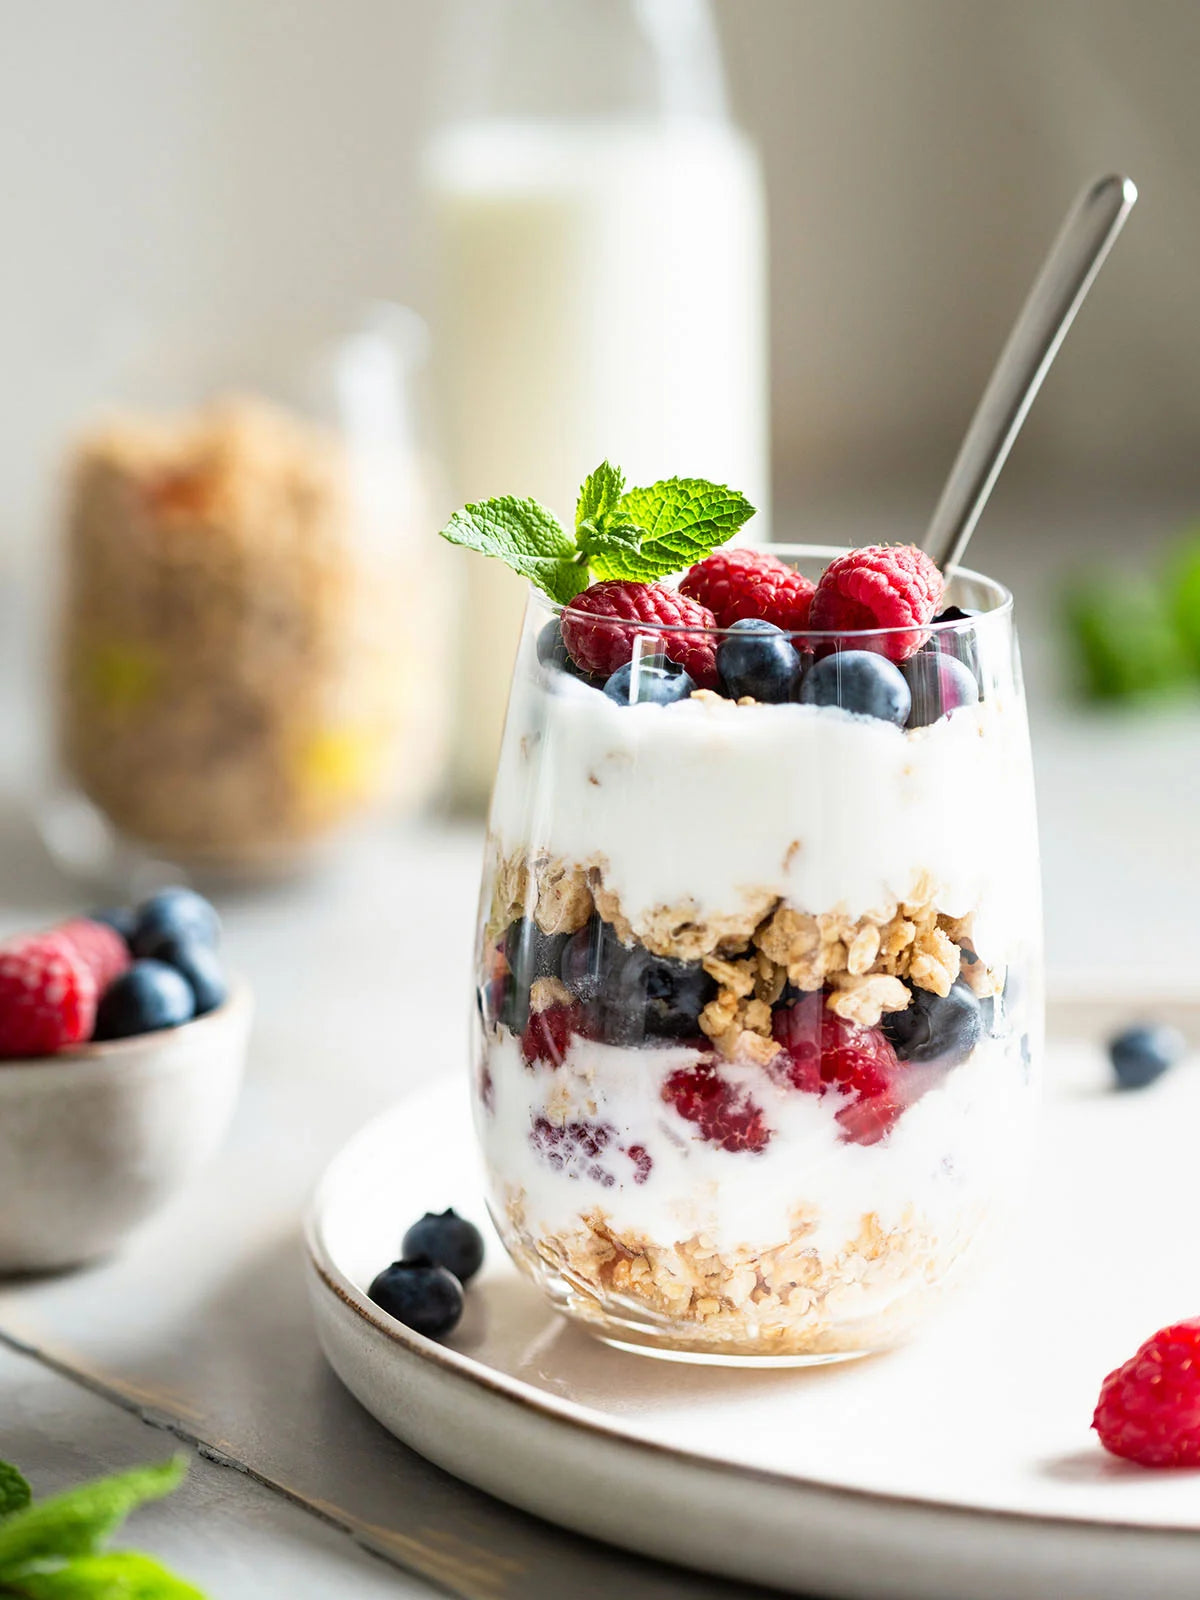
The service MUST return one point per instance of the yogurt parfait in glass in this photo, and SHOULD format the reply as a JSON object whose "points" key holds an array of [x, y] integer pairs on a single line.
{"points": [[758, 981]]}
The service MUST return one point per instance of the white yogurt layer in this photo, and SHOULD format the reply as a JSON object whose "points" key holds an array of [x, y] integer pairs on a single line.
{"points": [[947, 1158], [708, 801]]}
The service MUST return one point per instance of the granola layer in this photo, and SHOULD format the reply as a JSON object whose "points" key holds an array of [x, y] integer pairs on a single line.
{"points": [[786, 1300]]}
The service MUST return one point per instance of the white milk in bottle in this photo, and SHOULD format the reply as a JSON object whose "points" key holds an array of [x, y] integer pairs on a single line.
{"points": [[601, 293]]}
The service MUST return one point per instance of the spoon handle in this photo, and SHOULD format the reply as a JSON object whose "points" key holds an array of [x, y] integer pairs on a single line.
{"points": [[1068, 273]]}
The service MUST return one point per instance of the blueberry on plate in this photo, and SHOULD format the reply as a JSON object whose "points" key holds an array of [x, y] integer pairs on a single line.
{"points": [[654, 997], [654, 680], [174, 914], [860, 681], [1141, 1054], [448, 1240], [149, 996], [939, 684], [758, 659], [420, 1294], [936, 1028], [121, 918], [200, 966]]}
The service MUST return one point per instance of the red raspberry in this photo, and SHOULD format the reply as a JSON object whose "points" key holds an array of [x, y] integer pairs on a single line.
{"points": [[576, 1148], [879, 586], [1149, 1409], [101, 949], [593, 632], [736, 584], [47, 996], [822, 1051], [724, 1114], [548, 1034]]}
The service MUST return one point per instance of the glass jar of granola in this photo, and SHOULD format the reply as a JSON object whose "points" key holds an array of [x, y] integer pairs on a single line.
{"points": [[759, 974], [243, 670]]}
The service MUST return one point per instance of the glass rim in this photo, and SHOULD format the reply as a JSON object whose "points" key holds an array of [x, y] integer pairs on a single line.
{"points": [[1002, 607]]}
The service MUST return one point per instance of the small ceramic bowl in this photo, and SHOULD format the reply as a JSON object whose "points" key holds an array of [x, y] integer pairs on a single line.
{"points": [[97, 1139]]}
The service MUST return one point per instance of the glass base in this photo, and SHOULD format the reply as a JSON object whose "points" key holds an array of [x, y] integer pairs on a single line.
{"points": [[714, 1358]]}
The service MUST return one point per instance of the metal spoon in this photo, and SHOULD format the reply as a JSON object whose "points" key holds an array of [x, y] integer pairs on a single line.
{"points": [[1070, 269]]}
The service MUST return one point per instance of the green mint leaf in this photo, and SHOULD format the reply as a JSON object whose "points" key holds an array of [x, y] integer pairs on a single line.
{"points": [[119, 1575], [617, 534], [527, 538], [1123, 640], [15, 1493], [681, 519], [600, 496], [78, 1522], [1182, 589]]}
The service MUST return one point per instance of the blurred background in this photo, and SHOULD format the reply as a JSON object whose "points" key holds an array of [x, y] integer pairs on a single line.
{"points": [[205, 197]]}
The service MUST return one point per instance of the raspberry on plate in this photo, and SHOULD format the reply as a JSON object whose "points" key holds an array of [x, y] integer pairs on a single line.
{"points": [[47, 996], [879, 586], [740, 584], [724, 1114], [1149, 1409], [822, 1051], [595, 631], [100, 947]]}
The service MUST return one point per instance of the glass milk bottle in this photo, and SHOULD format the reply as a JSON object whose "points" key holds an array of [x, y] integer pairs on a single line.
{"points": [[601, 287]]}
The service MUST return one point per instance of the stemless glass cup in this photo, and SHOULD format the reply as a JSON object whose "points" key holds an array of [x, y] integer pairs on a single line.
{"points": [[759, 981]]}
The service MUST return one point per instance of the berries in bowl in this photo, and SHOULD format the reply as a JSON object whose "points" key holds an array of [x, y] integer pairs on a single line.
{"points": [[119, 1073]]}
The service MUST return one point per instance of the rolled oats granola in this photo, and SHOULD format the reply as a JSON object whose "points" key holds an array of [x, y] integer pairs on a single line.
{"points": [[241, 669]]}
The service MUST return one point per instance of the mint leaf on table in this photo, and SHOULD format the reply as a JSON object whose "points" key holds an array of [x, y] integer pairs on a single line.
{"points": [[525, 536], [79, 1521], [681, 521], [118, 1575], [1182, 588], [15, 1493], [1125, 644]]}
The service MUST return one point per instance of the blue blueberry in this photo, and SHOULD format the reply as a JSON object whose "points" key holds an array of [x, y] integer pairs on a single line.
{"points": [[174, 914], [530, 954], [149, 996], [448, 1240], [200, 966], [957, 614], [121, 918], [933, 1028], [421, 1295], [652, 681], [859, 681], [553, 654], [591, 960], [1141, 1054], [552, 647], [653, 997], [756, 658], [939, 684]]}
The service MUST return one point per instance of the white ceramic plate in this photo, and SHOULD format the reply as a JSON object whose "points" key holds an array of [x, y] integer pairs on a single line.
{"points": [[961, 1466]]}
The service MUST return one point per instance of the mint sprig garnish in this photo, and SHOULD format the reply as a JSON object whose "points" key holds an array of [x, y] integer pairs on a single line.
{"points": [[637, 534], [51, 1550], [526, 537]]}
